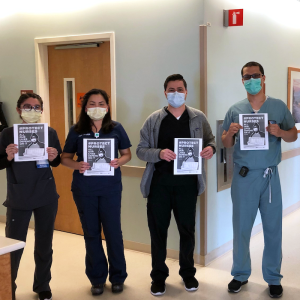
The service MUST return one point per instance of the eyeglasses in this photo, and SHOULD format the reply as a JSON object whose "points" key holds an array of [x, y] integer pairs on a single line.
{"points": [[28, 107], [255, 76]]}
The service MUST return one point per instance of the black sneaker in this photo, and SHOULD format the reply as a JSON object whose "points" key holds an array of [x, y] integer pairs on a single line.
{"points": [[191, 284], [46, 295], [275, 291], [117, 287], [158, 288], [97, 289], [235, 286]]}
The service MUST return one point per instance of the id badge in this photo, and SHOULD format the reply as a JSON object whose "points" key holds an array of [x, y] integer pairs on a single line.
{"points": [[42, 164]]}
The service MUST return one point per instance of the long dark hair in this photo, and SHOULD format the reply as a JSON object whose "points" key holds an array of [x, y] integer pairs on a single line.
{"points": [[85, 123]]}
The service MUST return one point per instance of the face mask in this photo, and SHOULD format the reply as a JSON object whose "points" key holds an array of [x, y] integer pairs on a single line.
{"points": [[31, 116], [96, 113], [253, 86], [176, 99]]}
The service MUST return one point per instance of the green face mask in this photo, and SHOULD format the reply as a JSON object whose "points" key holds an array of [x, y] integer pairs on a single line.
{"points": [[253, 86]]}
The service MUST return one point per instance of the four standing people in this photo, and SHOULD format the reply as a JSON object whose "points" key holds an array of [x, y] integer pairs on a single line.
{"points": [[31, 190], [255, 186], [98, 198], [166, 191], [260, 187]]}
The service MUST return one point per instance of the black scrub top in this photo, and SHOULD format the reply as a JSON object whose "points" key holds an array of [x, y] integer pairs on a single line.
{"points": [[28, 187], [96, 185]]}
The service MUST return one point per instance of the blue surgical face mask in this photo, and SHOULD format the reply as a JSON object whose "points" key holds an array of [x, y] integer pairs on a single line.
{"points": [[253, 86], [176, 99]]}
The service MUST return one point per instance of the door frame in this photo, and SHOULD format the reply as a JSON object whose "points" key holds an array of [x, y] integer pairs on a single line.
{"points": [[41, 64]]}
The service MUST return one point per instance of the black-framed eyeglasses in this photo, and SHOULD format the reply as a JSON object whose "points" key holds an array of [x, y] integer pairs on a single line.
{"points": [[28, 107], [255, 76]]}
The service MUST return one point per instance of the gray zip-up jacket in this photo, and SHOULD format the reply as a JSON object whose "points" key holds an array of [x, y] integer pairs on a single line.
{"points": [[147, 148]]}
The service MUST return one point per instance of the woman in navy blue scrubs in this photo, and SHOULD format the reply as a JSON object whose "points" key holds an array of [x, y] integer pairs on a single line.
{"points": [[98, 198]]}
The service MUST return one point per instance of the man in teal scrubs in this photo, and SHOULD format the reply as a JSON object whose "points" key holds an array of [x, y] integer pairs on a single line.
{"points": [[256, 183]]}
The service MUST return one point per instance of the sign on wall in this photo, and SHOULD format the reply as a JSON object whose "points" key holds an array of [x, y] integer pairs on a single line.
{"points": [[79, 99], [233, 17], [26, 92]]}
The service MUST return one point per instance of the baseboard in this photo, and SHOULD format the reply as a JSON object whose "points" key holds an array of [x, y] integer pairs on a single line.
{"points": [[3, 220], [216, 253]]}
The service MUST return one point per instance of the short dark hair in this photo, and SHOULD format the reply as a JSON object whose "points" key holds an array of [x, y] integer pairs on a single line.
{"points": [[26, 96], [174, 77], [253, 64]]}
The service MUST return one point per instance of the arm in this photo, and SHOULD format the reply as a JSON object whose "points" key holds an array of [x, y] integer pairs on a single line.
{"points": [[148, 154], [288, 136], [55, 151], [209, 143], [55, 162], [228, 136], [7, 157], [68, 161], [144, 150], [208, 137], [125, 158]]}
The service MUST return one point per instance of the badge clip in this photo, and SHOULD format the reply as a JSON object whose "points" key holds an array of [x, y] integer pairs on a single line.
{"points": [[96, 135]]}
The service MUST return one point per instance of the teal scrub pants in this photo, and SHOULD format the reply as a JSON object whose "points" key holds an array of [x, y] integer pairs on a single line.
{"points": [[249, 194]]}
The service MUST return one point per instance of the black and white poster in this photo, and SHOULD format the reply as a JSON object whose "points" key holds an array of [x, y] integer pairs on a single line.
{"points": [[254, 135], [99, 153], [188, 159], [32, 141]]}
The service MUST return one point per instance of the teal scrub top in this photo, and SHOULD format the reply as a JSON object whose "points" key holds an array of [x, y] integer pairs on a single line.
{"points": [[260, 159]]}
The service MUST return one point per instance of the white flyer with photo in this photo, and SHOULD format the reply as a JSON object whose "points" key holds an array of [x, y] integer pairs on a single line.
{"points": [[254, 135], [99, 153], [188, 160], [32, 141]]}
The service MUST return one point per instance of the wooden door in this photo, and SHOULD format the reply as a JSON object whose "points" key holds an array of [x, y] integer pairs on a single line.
{"points": [[91, 69]]}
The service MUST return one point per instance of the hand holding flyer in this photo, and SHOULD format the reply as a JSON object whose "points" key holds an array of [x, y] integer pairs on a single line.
{"points": [[99, 153], [254, 135], [32, 141], [188, 159]]}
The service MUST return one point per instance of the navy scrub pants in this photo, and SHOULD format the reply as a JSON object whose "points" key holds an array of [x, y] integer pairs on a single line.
{"points": [[95, 212], [249, 194], [17, 222]]}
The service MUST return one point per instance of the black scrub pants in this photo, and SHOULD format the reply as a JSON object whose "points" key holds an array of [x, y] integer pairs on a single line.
{"points": [[96, 212], [17, 222], [168, 193]]}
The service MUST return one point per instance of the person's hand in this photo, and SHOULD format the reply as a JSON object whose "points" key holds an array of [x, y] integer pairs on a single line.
{"points": [[52, 153], [167, 155], [274, 129], [207, 152], [83, 166], [11, 150], [234, 128], [115, 163]]}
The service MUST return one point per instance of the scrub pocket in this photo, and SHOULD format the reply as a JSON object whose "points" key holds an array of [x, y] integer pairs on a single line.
{"points": [[31, 195]]}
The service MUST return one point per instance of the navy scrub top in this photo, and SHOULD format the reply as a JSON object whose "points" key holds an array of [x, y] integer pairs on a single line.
{"points": [[260, 159], [28, 187], [96, 185]]}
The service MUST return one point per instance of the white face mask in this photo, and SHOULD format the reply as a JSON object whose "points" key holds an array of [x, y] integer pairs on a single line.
{"points": [[31, 116], [96, 113], [176, 99]]}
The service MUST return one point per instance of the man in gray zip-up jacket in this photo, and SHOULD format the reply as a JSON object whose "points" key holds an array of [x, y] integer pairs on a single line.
{"points": [[164, 190]]}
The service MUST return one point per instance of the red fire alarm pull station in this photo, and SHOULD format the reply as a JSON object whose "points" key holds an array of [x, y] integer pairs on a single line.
{"points": [[233, 17]]}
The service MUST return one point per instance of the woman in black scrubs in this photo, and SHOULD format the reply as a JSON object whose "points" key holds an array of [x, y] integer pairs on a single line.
{"points": [[98, 198], [31, 189]]}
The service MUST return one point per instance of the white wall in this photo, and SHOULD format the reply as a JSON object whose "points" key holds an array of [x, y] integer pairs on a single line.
{"points": [[153, 40], [276, 46]]}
